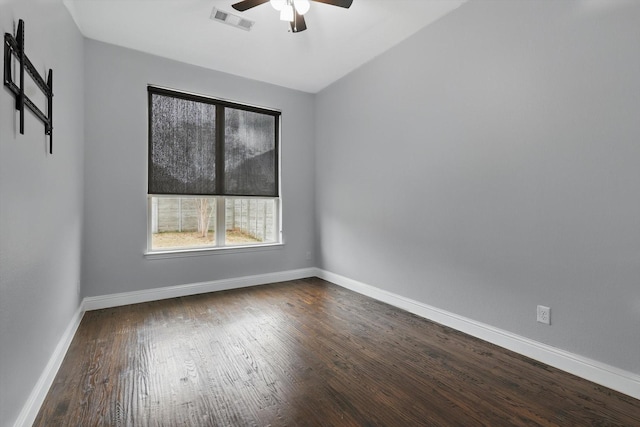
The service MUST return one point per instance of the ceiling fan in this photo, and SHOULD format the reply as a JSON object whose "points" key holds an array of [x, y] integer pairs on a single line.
{"points": [[291, 10]]}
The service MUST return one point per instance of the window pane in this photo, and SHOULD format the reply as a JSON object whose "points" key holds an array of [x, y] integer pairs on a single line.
{"points": [[182, 222], [250, 153], [250, 221], [182, 146]]}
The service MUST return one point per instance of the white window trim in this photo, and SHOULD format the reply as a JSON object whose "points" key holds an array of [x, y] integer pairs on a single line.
{"points": [[184, 253], [219, 247]]}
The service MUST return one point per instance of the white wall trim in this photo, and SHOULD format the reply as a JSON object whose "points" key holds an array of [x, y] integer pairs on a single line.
{"points": [[225, 250], [591, 370], [135, 297], [31, 407], [597, 372]]}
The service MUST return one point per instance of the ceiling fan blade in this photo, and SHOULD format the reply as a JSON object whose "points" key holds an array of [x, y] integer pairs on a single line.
{"points": [[247, 4], [298, 24], [340, 3]]}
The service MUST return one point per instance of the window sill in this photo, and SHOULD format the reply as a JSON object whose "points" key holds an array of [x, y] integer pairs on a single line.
{"points": [[182, 253]]}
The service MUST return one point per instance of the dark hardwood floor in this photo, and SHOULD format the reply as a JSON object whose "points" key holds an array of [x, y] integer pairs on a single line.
{"points": [[305, 353]]}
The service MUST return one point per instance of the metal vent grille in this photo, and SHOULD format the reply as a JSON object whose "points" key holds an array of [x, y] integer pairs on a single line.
{"points": [[231, 19], [220, 15], [246, 24]]}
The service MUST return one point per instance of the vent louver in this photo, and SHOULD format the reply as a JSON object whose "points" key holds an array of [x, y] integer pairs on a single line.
{"points": [[231, 19], [220, 15]]}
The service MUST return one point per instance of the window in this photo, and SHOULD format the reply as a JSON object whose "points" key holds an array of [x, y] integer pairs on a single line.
{"points": [[213, 173]]}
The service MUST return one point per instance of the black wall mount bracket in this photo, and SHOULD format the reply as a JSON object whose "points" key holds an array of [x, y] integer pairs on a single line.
{"points": [[14, 46]]}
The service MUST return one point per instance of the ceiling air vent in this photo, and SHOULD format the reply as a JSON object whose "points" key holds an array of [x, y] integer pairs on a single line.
{"points": [[231, 19]]}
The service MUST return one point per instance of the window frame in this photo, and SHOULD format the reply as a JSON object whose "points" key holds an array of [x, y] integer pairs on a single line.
{"points": [[220, 217]]}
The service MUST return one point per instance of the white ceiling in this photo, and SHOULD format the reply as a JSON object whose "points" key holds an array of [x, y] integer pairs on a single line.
{"points": [[336, 42]]}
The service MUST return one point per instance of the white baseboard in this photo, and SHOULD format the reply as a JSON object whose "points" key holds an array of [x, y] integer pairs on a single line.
{"points": [[591, 370], [31, 407], [36, 398], [125, 298], [597, 372]]}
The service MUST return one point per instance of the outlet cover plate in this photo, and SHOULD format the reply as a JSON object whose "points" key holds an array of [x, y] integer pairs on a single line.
{"points": [[544, 314]]}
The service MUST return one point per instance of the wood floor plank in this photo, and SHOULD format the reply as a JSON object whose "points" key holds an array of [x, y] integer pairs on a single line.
{"points": [[306, 353]]}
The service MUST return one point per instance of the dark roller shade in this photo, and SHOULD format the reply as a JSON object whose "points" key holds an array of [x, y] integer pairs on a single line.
{"points": [[183, 146], [249, 153], [201, 146]]}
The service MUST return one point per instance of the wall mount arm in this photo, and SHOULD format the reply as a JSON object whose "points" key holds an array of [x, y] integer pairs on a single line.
{"points": [[14, 46]]}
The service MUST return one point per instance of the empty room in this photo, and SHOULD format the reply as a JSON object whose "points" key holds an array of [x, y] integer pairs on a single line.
{"points": [[320, 213]]}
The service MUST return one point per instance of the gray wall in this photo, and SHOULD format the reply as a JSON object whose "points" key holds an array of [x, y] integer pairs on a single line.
{"points": [[40, 205], [491, 163], [484, 166], [115, 172]]}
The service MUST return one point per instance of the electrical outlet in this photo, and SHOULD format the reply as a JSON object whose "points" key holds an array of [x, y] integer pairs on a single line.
{"points": [[544, 314]]}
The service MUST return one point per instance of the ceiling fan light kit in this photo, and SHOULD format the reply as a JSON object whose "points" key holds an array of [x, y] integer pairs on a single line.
{"points": [[278, 4], [291, 10], [286, 13], [301, 6]]}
